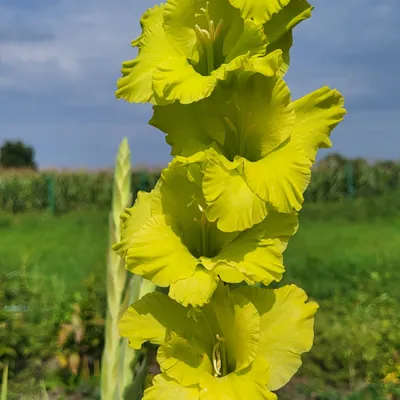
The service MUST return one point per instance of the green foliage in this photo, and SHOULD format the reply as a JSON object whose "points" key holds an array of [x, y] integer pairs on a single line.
{"points": [[16, 154], [28, 323], [80, 336], [336, 178], [376, 188], [43, 337], [24, 190], [332, 257], [363, 331]]}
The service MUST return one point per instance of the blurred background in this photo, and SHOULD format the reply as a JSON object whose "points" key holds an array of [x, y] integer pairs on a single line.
{"points": [[60, 128]]}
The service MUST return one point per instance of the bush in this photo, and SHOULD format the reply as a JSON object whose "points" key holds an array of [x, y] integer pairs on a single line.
{"points": [[16, 154], [25, 190], [36, 339]]}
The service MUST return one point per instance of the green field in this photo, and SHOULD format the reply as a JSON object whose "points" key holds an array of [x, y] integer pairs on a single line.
{"points": [[346, 260], [326, 255]]}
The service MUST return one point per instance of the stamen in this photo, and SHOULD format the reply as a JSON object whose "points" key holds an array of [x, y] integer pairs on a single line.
{"points": [[219, 28], [217, 363], [212, 29], [230, 124], [249, 129], [207, 35], [200, 33]]}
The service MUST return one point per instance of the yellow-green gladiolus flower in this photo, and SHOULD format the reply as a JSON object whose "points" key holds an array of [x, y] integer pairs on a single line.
{"points": [[188, 46], [244, 344], [166, 238], [264, 145]]}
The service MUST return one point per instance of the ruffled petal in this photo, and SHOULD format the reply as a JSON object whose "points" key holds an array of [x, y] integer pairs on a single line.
{"points": [[196, 290], [259, 11], [237, 322], [263, 118], [148, 319], [287, 324], [183, 359], [136, 83], [186, 125], [165, 388], [176, 80], [158, 254], [230, 201], [132, 219], [281, 177], [279, 29], [317, 114], [257, 253], [252, 39], [248, 384], [192, 127]]}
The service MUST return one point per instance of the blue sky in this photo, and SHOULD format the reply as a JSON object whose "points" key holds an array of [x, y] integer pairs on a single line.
{"points": [[60, 59]]}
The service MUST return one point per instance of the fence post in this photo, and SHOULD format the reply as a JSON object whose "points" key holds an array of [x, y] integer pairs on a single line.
{"points": [[142, 181], [51, 202], [350, 180]]}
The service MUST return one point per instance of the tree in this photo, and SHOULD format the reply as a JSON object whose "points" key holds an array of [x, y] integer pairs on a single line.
{"points": [[16, 154]]}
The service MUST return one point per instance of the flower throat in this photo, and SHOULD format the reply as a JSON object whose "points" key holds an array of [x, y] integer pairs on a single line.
{"points": [[207, 37]]}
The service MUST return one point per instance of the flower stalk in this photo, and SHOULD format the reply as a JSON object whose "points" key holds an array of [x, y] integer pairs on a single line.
{"points": [[214, 229]]}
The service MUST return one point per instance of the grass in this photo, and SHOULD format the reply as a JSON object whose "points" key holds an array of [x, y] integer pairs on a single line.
{"points": [[338, 250], [63, 249], [326, 256]]}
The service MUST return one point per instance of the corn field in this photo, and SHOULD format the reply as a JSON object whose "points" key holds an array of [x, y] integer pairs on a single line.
{"points": [[24, 190], [334, 179]]}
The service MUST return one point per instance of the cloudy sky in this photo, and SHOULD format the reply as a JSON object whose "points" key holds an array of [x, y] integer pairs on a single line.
{"points": [[60, 59]]}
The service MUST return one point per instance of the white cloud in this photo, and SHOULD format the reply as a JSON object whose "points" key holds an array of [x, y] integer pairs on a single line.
{"points": [[60, 59], [86, 36]]}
